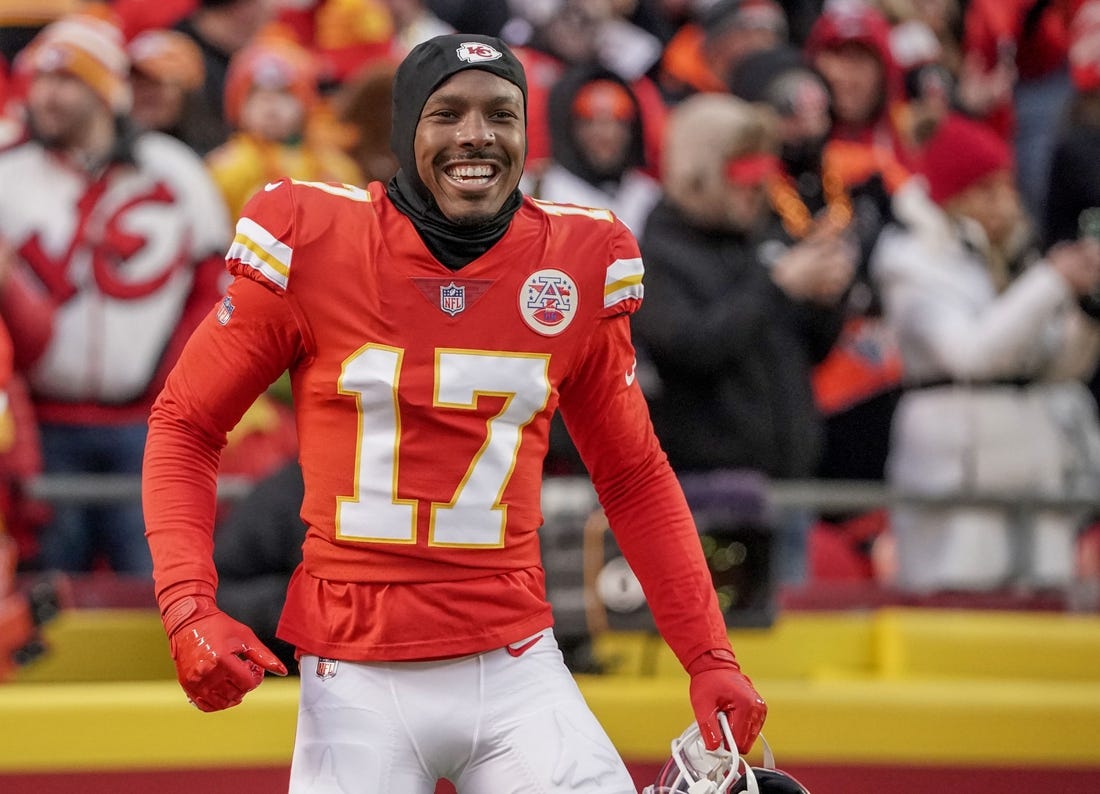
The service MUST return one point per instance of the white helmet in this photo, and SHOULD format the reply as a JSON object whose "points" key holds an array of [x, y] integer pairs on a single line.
{"points": [[693, 769]]}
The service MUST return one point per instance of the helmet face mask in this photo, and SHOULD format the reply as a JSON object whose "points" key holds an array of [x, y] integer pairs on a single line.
{"points": [[692, 769]]}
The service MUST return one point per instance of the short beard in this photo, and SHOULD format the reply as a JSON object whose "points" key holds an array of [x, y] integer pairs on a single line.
{"points": [[64, 140]]}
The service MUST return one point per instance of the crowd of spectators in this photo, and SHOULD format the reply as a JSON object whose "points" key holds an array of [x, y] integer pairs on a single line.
{"points": [[865, 225]]}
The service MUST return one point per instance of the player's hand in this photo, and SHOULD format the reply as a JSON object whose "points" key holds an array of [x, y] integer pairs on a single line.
{"points": [[218, 659], [718, 685]]}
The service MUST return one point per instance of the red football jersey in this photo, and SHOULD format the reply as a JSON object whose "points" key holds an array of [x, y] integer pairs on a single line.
{"points": [[423, 399]]}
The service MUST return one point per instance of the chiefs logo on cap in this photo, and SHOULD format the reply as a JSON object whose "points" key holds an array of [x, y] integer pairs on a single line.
{"points": [[476, 52]]}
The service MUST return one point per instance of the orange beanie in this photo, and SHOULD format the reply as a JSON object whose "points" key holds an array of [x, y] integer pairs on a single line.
{"points": [[274, 63], [88, 48]]}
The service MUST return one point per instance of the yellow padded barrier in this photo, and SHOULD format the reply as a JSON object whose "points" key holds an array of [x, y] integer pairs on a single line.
{"points": [[146, 724], [149, 725], [892, 643], [889, 686], [1003, 645], [799, 645], [103, 645], [129, 644], [874, 721]]}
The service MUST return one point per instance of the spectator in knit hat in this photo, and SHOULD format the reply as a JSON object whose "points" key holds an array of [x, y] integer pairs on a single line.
{"points": [[117, 236], [850, 45], [701, 56], [995, 345], [597, 144], [270, 91], [166, 72]]}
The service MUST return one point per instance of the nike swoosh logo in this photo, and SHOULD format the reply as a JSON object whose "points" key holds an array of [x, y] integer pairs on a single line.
{"points": [[519, 650], [629, 377], [272, 185]]}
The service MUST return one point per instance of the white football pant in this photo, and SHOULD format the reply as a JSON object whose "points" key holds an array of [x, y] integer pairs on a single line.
{"points": [[494, 723]]}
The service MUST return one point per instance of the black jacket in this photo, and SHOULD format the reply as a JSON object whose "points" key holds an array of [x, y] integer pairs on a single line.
{"points": [[733, 353]]}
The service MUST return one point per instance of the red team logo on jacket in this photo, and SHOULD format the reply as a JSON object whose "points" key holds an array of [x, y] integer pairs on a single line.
{"points": [[548, 301]]}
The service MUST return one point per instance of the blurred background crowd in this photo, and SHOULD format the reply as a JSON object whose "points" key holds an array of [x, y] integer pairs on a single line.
{"points": [[869, 231]]}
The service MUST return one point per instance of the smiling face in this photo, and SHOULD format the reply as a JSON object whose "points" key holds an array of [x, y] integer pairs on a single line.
{"points": [[470, 145]]}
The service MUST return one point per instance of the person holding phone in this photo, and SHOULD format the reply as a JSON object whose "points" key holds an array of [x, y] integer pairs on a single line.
{"points": [[995, 346]]}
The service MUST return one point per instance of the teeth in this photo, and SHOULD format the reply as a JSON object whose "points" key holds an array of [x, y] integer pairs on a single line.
{"points": [[474, 172]]}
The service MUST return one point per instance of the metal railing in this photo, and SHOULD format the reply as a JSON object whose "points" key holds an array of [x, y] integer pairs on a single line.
{"points": [[570, 494]]}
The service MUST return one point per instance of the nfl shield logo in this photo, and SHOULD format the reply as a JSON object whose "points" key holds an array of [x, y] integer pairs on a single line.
{"points": [[452, 298], [326, 668], [225, 311]]}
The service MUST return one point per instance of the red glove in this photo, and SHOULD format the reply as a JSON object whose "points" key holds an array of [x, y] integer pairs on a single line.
{"points": [[717, 684], [218, 660]]}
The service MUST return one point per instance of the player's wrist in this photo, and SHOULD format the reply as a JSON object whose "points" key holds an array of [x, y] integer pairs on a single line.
{"points": [[185, 610], [713, 659]]}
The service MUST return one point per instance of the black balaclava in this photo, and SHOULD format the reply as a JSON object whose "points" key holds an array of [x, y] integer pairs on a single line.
{"points": [[424, 69]]}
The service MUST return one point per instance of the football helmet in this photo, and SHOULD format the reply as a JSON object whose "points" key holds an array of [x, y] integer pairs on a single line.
{"points": [[693, 769]]}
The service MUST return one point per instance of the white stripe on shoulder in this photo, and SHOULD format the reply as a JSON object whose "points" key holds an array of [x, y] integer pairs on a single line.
{"points": [[553, 208], [623, 281], [256, 247], [337, 189]]}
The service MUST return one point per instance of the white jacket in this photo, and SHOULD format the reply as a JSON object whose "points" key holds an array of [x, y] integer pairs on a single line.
{"points": [[632, 200], [980, 433]]}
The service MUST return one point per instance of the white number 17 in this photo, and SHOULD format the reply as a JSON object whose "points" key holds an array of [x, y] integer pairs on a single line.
{"points": [[474, 516]]}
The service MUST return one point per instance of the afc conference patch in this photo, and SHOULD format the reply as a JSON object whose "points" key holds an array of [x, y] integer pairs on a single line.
{"points": [[548, 301]]}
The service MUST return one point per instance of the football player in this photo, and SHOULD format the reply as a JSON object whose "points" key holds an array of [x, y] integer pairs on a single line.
{"points": [[431, 328]]}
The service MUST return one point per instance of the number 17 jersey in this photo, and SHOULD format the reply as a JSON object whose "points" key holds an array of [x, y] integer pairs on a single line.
{"points": [[423, 399]]}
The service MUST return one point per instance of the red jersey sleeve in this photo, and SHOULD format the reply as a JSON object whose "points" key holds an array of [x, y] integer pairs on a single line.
{"points": [[236, 352], [608, 419], [622, 292]]}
